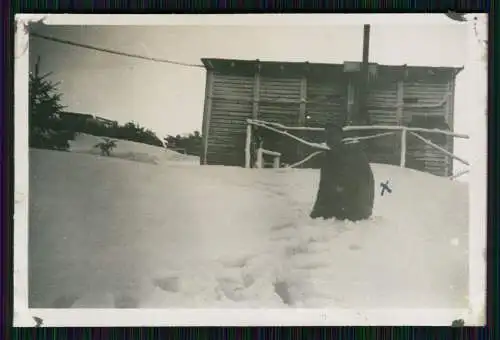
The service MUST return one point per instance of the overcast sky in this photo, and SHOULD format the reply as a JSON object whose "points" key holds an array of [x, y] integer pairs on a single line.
{"points": [[169, 98]]}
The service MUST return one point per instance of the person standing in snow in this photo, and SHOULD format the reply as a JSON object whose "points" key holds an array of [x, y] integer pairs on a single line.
{"points": [[346, 186]]}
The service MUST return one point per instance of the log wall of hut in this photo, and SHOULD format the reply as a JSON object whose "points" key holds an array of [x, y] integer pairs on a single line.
{"points": [[382, 106], [279, 100], [428, 102], [230, 106], [303, 94], [326, 103]]}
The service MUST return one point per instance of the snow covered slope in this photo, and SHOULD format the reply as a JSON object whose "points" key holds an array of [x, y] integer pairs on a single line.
{"points": [[106, 232], [125, 149]]}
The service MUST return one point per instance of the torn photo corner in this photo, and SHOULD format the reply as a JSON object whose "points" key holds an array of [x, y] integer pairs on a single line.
{"points": [[166, 172], [29, 20]]}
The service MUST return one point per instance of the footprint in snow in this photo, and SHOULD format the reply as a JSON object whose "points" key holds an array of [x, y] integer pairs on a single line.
{"points": [[312, 265], [237, 263], [296, 249], [281, 238], [354, 247], [168, 284], [283, 226]]}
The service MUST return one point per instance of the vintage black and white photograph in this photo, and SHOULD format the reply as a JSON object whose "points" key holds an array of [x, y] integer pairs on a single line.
{"points": [[251, 167]]}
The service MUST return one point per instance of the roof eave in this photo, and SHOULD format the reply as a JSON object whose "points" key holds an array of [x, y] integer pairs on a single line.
{"points": [[458, 70], [209, 64]]}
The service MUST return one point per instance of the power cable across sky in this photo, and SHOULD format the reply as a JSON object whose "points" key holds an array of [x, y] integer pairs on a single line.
{"points": [[110, 51]]}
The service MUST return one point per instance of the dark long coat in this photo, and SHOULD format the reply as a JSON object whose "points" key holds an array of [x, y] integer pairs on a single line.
{"points": [[346, 188]]}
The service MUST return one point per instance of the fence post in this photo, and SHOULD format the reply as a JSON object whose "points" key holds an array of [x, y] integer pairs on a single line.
{"points": [[276, 163], [403, 147], [260, 158], [247, 145]]}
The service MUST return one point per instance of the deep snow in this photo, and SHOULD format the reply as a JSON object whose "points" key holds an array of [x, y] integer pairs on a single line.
{"points": [[85, 143], [107, 232]]}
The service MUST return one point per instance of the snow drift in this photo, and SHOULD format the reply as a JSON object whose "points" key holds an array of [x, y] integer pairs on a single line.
{"points": [[105, 232], [85, 143]]}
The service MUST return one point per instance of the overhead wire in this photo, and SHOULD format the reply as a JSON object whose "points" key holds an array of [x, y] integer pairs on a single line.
{"points": [[115, 52]]}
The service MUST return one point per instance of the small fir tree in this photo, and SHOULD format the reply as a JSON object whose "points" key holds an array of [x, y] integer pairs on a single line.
{"points": [[45, 125]]}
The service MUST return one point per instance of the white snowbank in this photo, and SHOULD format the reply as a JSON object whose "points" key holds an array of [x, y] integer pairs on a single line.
{"points": [[110, 233], [133, 151]]}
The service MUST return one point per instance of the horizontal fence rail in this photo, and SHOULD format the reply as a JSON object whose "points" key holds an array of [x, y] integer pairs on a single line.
{"points": [[305, 159], [281, 129], [260, 157], [460, 173], [443, 150], [359, 128]]}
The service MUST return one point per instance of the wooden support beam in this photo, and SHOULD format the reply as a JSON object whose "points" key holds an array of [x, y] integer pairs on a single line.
{"points": [[450, 121], [256, 93], [362, 114], [303, 101], [302, 112], [400, 121], [400, 103], [248, 146], [350, 103], [255, 113], [443, 150], [403, 148], [207, 114]]}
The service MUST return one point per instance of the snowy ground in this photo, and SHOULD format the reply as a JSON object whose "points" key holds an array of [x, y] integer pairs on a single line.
{"points": [[107, 232], [125, 149]]}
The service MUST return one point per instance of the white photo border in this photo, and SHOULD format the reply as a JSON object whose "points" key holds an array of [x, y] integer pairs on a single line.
{"points": [[23, 315]]}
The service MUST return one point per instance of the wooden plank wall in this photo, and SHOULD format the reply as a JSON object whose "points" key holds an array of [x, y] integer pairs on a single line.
{"points": [[233, 99], [231, 105], [326, 103], [282, 100], [302, 101], [429, 93], [279, 102], [392, 102], [384, 109]]}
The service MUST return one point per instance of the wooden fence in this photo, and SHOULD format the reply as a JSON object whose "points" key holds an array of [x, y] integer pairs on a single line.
{"points": [[282, 129]]}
